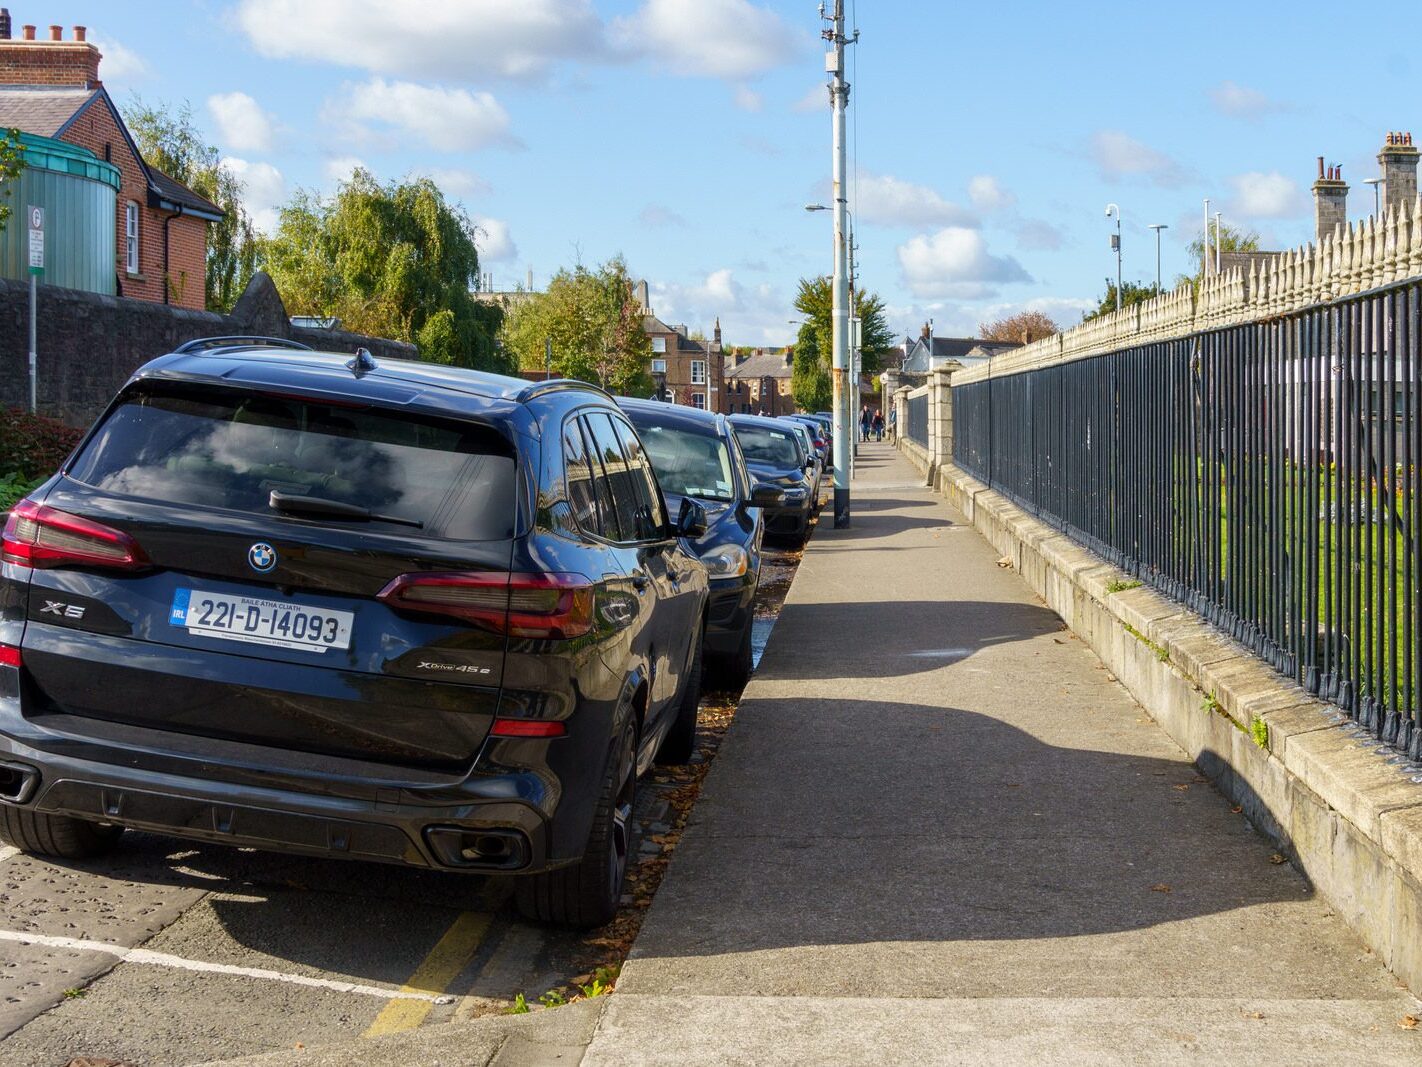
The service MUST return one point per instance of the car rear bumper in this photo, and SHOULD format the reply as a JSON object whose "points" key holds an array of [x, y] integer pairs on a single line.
{"points": [[411, 823]]}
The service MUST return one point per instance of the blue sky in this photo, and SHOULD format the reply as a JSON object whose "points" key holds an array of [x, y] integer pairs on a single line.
{"points": [[688, 134]]}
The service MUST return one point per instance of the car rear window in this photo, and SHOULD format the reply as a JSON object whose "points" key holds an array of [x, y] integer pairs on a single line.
{"points": [[775, 448], [688, 463], [214, 449]]}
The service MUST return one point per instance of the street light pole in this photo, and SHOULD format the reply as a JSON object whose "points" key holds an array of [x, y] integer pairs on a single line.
{"points": [[1377, 198], [1116, 244], [839, 99], [1157, 227]]}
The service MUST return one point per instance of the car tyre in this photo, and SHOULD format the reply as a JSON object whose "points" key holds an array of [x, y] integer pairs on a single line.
{"points": [[680, 741], [64, 837], [586, 894]]}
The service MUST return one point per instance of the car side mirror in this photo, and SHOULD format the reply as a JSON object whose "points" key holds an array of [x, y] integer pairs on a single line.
{"points": [[765, 495], [691, 521], [809, 465]]}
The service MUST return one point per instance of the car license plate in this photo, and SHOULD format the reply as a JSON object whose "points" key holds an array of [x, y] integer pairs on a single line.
{"points": [[261, 622]]}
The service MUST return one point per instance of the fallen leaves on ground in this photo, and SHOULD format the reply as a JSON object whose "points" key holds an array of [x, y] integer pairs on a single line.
{"points": [[1160, 887], [1005, 561], [1408, 1022], [1277, 859]]}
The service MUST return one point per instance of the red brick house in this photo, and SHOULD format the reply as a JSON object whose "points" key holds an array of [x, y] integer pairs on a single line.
{"points": [[51, 88], [695, 369]]}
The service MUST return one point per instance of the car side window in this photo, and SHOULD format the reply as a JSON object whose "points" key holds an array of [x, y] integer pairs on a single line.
{"points": [[582, 490], [738, 461], [651, 516], [614, 487]]}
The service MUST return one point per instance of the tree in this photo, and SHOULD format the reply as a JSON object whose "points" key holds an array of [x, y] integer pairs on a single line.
{"points": [[1024, 326], [12, 161], [810, 381], [815, 301], [1231, 240], [391, 260], [594, 322], [1131, 293], [168, 139]]}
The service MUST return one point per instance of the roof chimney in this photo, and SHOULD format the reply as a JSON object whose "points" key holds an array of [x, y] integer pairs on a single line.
{"points": [[1330, 201], [72, 64], [1398, 160]]}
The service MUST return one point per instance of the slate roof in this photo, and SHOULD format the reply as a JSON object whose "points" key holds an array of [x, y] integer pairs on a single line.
{"points": [[172, 190], [653, 325], [765, 365], [41, 111]]}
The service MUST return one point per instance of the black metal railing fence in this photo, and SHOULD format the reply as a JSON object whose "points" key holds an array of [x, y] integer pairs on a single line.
{"points": [[917, 430], [1266, 475]]}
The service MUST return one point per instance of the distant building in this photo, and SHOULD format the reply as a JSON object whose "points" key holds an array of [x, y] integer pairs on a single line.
{"points": [[149, 241], [928, 352], [508, 299], [760, 382], [695, 369]]}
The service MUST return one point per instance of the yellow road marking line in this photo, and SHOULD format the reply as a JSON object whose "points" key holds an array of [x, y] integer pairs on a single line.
{"points": [[450, 955]]}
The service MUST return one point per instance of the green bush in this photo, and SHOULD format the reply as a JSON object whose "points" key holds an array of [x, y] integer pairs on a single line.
{"points": [[31, 449]]}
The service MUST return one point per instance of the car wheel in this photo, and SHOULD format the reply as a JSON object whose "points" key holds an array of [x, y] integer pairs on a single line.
{"points": [[61, 836], [680, 741], [586, 894], [732, 672]]}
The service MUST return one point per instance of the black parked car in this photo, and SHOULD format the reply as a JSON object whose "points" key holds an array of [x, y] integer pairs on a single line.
{"points": [[776, 454], [396, 612], [807, 442], [694, 454]]}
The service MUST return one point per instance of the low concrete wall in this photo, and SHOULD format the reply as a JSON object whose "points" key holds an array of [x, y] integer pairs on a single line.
{"points": [[1338, 806]]}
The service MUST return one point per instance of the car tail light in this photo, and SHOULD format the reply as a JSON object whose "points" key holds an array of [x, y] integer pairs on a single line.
{"points": [[552, 605], [40, 536], [528, 728], [9, 656]]}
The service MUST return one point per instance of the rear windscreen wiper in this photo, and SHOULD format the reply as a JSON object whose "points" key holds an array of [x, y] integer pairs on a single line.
{"points": [[317, 507]]}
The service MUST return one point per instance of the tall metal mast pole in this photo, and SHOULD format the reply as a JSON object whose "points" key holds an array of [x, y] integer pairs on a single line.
{"points": [[843, 421]]}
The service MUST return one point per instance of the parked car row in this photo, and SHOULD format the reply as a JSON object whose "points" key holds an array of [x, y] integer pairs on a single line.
{"points": [[397, 612]]}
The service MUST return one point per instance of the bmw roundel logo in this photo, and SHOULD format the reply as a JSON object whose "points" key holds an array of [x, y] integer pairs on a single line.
{"points": [[261, 557]]}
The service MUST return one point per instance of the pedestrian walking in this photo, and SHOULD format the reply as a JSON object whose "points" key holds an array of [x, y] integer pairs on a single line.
{"points": [[893, 422], [865, 421], [878, 425]]}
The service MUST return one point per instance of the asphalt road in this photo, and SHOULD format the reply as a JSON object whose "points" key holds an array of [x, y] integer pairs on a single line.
{"points": [[169, 952]]}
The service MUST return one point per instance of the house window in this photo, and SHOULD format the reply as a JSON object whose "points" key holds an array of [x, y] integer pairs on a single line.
{"points": [[659, 366], [131, 237], [698, 400], [659, 344], [698, 372]]}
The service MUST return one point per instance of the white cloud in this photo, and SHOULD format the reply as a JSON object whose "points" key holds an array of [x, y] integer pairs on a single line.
{"points": [[816, 98], [954, 262], [987, 194], [1267, 196], [119, 64], [656, 215], [747, 99], [717, 38], [1119, 155], [491, 237], [263, 190], [457, 183], [469, 41], [1038, 235], [1242, 102], [339, 168], [891, 201], [447, 120], [242, 125], [749, 314]]}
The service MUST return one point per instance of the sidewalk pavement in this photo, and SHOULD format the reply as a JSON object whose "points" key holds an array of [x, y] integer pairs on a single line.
{"points": [[940, 832]]}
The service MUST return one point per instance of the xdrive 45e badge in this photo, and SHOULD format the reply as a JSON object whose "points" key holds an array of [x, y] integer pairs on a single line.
{"points": [[261, 557]]}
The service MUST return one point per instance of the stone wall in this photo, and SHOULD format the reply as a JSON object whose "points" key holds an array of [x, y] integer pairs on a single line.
{"points": [[89, 344]]}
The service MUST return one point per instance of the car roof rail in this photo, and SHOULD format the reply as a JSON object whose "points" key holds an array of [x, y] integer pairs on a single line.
{"points": [[202, 344], [554, 385]]}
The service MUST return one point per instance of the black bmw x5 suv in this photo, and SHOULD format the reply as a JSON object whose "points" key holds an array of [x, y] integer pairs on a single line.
{"points": [[395, 612]]}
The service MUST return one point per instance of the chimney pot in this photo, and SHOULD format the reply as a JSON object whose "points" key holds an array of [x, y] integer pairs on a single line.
{"points": [[56, 33], [1320, 166], [29, 32], [4, 23], [81, 34]]}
